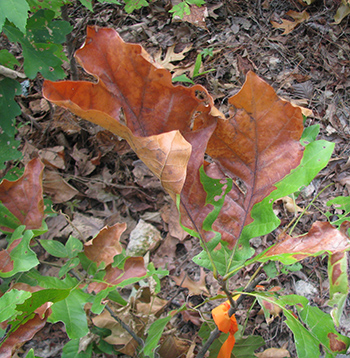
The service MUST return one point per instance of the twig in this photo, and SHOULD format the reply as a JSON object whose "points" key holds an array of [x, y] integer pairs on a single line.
{"points": [[216, 333], [126, 327]]}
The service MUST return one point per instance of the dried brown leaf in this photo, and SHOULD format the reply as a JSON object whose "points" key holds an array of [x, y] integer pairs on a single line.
{"points": [[24, 197], [194, 287], [105, 245], [287, 25]]}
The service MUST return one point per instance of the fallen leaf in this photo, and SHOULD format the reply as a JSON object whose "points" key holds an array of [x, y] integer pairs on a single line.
{"points": [[24, 197], [57, 188], [196, 17], [194, 287], [105, 245], [273, 353], [53, 157], [287, 25], [171, 56], [342, 12], [173, 347], [291, 206]]}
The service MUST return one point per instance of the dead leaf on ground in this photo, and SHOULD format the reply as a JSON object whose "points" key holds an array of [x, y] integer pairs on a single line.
{"points": [[173, 347], [171, 56], [57, 188], [287, 25], [105, 245], [273, 353], [53, 157], [196, 17], [194, 287], [24, 197], [170, 215]]}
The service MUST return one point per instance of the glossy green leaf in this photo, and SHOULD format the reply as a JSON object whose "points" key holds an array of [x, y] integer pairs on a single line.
{"points": [[72, 350], [69, 265]]}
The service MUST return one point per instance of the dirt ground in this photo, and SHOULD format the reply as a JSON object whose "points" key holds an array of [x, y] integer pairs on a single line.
{"points": [[101, 181]]}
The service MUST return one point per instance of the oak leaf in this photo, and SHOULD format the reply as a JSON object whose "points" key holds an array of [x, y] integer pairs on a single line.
{"points": [[24, 197], [287, 25], [135, 99]]}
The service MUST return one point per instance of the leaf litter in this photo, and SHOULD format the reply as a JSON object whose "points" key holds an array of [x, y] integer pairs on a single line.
{"points": [[330, 87]]}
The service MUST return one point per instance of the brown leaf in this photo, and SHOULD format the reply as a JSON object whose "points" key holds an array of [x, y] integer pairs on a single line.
{"points": [[6, 262], [322, 237], [57, 188], [287, 25], [136, 100], [23, 334], [105, 245], [273, 353], [256, 147], [194, 287], [173, 347], [197, 16], [133, 267], [24, 197]]}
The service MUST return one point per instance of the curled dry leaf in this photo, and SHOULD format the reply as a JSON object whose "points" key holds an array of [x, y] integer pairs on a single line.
{"points": [[194, 287], [105, 245], [24, 197]]}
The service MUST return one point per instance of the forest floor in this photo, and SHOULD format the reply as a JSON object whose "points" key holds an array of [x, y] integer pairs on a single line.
{"points": [[100, 181]]}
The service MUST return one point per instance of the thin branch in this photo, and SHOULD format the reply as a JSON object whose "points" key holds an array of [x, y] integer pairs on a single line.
{"points": [[126, 327]]}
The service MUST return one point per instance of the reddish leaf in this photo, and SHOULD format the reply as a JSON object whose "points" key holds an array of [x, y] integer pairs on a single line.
{"points": [[257, 147], [136, 100], [6, 262], [23, 334], [24, 197], [133, 267], [322, 237], [105, 245]]}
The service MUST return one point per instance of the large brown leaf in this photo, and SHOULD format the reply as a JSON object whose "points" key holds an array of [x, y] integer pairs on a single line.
{"points": [[136, 100], [256, 147], [24, 197], [170, 126]]}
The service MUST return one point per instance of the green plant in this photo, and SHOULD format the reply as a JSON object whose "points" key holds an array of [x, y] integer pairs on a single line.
{"points": [[257, 156]]}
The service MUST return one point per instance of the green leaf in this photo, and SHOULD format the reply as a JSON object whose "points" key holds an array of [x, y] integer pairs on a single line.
{"points": [[340, 203], [154, 333], [196, 2], [116, 297], [44, 30], [116, 2], [73, 246], [271, 270], [338, 284], [181, 9], [87, 4], [197, 65], [131, 5], [16, 11], [9, 108], [97, 306], [54, 248], [7, 59], [71, 312], [72, 350], [9, 301], [38, 57], [320, 329], [69, 265], [54, 5], [31, 354], [22, 255], [182, 78], [310, 134]]}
